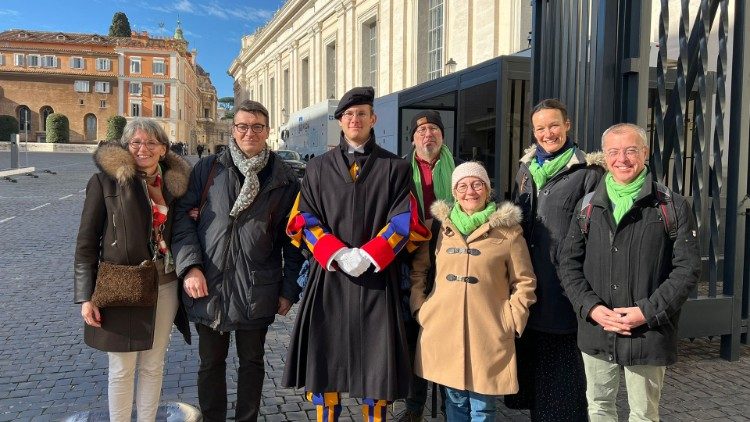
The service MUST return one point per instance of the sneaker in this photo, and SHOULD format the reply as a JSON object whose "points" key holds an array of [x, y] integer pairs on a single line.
{"points": [[409, 416]]}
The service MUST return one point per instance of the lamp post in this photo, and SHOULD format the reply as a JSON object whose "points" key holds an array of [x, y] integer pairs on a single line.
{"points": [[450, 66]]}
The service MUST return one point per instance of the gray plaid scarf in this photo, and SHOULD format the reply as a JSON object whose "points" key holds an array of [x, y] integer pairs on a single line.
{"points": [[249, 167]]}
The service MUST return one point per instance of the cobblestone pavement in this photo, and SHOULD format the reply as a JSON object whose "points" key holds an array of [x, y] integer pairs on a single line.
{"points": [[47, 373]]}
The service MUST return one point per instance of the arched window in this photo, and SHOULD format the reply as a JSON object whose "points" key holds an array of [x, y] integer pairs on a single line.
{"points": [[24, 118], [44, 113], [90, 124]]}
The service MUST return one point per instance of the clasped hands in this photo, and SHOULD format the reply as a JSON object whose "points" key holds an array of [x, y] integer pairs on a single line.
{"points": [[352, 261], [618, 320]]}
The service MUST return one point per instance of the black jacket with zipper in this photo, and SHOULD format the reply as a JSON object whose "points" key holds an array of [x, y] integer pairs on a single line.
{"points": [[116, 227], [546, 216], [248, 261]]}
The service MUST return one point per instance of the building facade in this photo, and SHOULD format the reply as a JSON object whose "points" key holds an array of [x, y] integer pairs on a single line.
{"points": [[315, 50], [89, 78]]}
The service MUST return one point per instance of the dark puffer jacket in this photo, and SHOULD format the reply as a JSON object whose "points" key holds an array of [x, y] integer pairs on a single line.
{"points": [[632, 264], [546, 217], [248, 261], [116, 227]]}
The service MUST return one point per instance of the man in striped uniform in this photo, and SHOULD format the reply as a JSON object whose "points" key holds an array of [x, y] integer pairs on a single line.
{"points": [[355, 213]]}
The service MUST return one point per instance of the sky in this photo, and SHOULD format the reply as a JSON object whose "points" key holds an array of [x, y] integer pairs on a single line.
{"points": [[213, 27]]}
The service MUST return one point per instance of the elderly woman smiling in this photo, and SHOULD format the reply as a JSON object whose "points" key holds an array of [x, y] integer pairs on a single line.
{"points": [[127, 219], [484, 285]]}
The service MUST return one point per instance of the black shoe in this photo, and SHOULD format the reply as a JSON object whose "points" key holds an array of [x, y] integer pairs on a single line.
{"points": [[409, 416]]}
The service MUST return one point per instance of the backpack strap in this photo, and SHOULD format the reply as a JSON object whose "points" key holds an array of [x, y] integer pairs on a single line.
{"points": [[207, 184], [667, 209], [584, 214]]}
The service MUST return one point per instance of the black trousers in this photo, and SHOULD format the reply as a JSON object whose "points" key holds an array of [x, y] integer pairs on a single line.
{"points": [[213, 348]]}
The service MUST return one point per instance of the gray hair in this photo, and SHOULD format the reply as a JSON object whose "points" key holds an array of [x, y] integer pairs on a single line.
{"points": [[151, 127], [621, 128]]}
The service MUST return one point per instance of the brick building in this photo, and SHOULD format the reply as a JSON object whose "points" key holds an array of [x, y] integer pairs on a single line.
{"points": [[90, 77]]}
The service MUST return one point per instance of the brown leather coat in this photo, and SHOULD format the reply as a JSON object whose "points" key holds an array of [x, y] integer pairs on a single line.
{"points": [[484, 285], [116, 227]]}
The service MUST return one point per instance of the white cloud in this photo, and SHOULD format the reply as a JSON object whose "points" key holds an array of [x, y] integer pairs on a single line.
{"points": [[184, 6], [9, 12]]}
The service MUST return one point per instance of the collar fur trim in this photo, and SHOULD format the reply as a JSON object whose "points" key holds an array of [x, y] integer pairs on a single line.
{"points": [[506, 215], [117, 163]]}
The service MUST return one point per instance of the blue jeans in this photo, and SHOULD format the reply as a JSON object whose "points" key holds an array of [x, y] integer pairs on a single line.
{"points": [[464, 405]]}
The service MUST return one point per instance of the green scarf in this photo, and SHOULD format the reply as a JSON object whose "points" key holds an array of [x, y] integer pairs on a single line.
{"points": [[623, 196], [543, 173], [441, 176], [466, 223]]}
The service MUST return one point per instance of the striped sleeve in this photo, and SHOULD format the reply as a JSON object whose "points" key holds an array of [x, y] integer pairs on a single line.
{"points": [[403, 230], [303, 226]]}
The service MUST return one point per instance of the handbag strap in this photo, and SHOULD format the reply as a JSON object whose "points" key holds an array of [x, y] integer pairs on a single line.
{"points": [[209, 182]]}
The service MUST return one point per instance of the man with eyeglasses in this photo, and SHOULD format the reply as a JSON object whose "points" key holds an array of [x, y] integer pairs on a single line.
{"points": [[238, 266], [627, 278], [355, 213], [432, 164]]}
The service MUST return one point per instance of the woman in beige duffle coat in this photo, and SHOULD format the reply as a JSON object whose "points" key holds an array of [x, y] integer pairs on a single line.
{"points": [[484, 285]]}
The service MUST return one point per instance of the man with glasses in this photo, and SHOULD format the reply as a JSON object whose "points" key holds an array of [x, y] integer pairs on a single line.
{"points": [[238, 266], [627, 278], [432, 164], [355, 213]]}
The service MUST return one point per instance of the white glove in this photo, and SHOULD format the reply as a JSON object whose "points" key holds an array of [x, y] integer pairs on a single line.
{"points": [[353, 262]]}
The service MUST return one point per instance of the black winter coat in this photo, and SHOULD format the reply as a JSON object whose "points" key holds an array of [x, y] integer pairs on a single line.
{"points": [[632, 264], [248, 261], [116, 227], [546, 217]]}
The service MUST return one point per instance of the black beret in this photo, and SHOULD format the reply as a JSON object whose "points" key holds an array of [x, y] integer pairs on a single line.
{"points": [[355, 96], [426, 116]]}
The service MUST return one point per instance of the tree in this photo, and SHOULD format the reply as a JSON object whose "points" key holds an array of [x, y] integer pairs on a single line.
{"points": [[8, 126], [58, 128], [120, 26], [115, 126], [226, 103]]}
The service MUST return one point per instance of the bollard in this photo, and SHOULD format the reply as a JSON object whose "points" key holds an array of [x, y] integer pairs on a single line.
{"points": [[14, 138]]}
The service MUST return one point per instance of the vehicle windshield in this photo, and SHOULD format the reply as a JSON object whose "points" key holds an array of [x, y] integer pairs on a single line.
{"points": [[286, 154]]}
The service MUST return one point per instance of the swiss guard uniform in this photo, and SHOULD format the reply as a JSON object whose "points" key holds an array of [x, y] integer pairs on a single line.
{"points": [[349, 334]]}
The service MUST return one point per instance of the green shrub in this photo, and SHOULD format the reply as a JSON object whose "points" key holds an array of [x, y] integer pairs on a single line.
{"points": [[8, 126], [58, 128], [115, 126]]}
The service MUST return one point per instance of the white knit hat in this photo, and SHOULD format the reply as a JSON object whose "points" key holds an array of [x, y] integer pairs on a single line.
{"points": [[467, 169]]}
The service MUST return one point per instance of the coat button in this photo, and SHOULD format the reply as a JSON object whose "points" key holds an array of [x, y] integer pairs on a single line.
{"points": [[614, 248], [610, 358], [615, 286]]}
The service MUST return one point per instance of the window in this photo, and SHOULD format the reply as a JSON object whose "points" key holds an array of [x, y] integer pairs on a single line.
{"points": [[260, 94], [370, 54], [135, 88], [2, 59], [305, 82], [272, 100], [33, 60], [159, 67], [159, 90], [49, 61], [285, 105], [103, 65], [24, 118], [81, 86], [102, 87], [158, 110], [331, 70], [135, 109], [102, 103], [19, 59], [76, 63], [205, 113], [435, 39], [135, 65], [45, 112]]}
